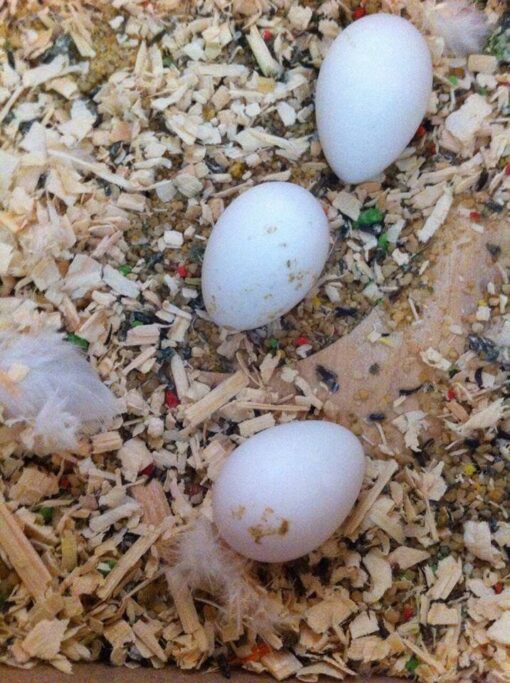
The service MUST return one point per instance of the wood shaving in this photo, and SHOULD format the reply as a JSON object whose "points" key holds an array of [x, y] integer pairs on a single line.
{"points": [[477, 539], [381, 576], [45, 639], [22, 556]]}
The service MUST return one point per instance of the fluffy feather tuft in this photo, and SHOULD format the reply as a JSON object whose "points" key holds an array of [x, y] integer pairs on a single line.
{"points": [[48, 384], [463, 27], [205, 563]]}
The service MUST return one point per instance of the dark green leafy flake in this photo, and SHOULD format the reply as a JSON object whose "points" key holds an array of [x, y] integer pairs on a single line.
{"points": [[125, 269], [412, 664], [47, 514], [369, 217], [77, 341], [383, 242]]}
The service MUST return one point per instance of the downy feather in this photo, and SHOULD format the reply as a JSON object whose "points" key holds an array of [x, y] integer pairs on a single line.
{"points": [[463, 27], [206, 563], [54, 388]]}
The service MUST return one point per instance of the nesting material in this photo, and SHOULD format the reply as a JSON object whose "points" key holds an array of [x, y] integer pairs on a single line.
{"points": [[47, 384], [21, 555], [463, 27], [202, 561], [140, 120]]}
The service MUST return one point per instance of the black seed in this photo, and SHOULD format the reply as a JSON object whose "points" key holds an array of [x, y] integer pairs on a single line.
{"points": [[214, 166], [153, 259], [478, 377], [186, 352], [472, 443], [127, 541], [223, 665], [493, 249], [484, 177], [197, 303], [145, 318], [409, 392], [63, 45], [374, 369], [25, 126], [494, 207], [116, 148], [377, 417], [343, 312], [42, 181], [383, 630], [423, 456], [484, 347], [373, 229], [107, 187], [328, 377]]}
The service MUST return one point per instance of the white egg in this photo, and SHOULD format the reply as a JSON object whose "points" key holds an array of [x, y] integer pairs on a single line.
{"points": [[284, 491], [264, 255], [373, 90]]}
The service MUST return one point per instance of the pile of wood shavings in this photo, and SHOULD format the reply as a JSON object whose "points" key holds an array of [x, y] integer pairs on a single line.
{"points": [[125, 130]]}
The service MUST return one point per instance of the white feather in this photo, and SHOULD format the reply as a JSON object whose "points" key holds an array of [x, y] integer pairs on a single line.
{"points": [[205, 563], [57, 392], [463, 27]]}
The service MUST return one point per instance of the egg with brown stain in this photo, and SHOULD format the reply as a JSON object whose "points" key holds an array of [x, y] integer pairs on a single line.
{"points": [[285, 491], [264, 255]]}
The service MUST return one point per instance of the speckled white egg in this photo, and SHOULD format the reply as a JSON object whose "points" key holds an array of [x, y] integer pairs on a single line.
{"points": [[284, 491], [265, 253], [373, 91]]}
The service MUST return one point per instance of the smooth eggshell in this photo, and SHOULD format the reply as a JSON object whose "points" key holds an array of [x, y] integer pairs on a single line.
{"points": [[373, 91], [284, 491], [264, 254]]}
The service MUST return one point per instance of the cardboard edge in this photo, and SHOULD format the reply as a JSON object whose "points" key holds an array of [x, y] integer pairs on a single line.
{"points": [[101, 673]]}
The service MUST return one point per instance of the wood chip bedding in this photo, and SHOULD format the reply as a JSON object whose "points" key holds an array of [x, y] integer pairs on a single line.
{"points": [[126, 129]]}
